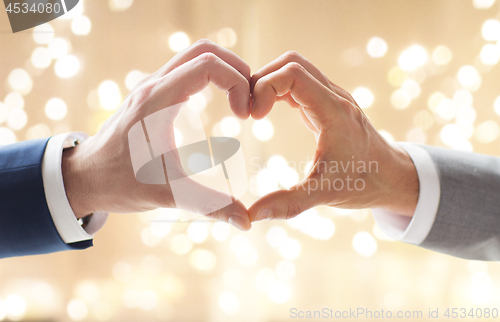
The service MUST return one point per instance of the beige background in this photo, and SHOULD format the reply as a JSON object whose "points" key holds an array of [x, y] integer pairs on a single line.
{"points": [[328, 273]]}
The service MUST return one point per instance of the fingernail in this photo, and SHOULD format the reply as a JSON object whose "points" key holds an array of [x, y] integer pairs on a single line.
{"points": [[236, 222], [263, 214]]}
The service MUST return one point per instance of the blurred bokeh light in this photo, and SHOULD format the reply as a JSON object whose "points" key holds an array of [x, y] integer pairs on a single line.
{"points": [[423, 71]]}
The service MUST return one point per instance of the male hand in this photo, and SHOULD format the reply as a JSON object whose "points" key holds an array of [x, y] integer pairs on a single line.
{"points": [[98, 174], [383, 175]]}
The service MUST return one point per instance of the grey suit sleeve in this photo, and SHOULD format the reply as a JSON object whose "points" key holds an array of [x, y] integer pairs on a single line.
{"points": [[467, 223]]}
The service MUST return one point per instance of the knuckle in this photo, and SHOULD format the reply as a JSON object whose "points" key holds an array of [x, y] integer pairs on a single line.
{"points": [[350, 98], [247, 70], [141, 94], [364, 121], [294, 68], [292, 55], [357, 114], [346, 106], [347, 96], [143, 81], [204, 45], [207, 58]]}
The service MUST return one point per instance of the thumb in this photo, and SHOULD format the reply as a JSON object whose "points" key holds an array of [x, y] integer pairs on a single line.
{"points": [[286, 204], [193, 196], [199, 199]]}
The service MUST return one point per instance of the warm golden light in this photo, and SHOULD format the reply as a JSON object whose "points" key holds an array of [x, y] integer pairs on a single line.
{"points": [[491, 30], [226, 37], [59, 47], [67, 66], [19, 79], [109, 95], [388, 136], [263, 130], [230, 126], [496, 105], [228, 302], [43, 34], [400, 99], [442, 55], [7, 136], [469, 77], [453, 136], [397, 76], [16, 307], [81, 26], [120, 5], [487, 132], [77, 310], [41, 58], [17, 119], [411, 87], [134, 77], [4, 112], [490, 54], [413, 58], [415, 79], [197, 102], [446, 109], [483, 4], [376, 47], [364, 244], [202, 259], [363, 96], [463, 97], [179, 41], [14, 101], [56, 109]]}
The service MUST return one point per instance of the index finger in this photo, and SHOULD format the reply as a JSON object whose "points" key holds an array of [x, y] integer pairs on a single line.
{"points": [[206, 46], [295, 57], [281, 61], [194, 75], [317, 100]]}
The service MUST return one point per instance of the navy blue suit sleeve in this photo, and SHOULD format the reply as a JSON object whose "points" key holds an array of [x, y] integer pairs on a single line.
{"points": [[26, 225]]}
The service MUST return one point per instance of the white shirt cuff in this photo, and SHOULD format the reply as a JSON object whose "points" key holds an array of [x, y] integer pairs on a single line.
{"points": [[64, 219], [414, 230]]}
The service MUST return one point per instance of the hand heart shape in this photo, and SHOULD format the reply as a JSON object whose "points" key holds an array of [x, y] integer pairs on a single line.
{"points": [[354, 166]]}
